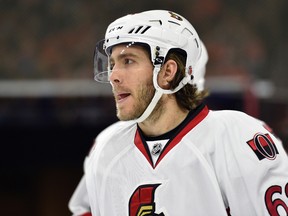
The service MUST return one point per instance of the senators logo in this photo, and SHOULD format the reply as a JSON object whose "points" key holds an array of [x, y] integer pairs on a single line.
{"points": [[263, 146], [142, 201]]}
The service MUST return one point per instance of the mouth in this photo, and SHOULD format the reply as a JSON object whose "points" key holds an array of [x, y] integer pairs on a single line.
{"points": [[122, 96]]}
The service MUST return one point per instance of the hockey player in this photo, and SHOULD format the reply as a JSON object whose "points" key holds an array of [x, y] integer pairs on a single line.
{"points": [[169, 154]]}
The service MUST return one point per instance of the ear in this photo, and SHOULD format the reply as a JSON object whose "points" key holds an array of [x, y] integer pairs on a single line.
{"points": [[167, 74]]}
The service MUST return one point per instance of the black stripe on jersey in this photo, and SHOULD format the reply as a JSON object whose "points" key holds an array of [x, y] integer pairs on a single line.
{"points": [[172, 133], [193, 118]]}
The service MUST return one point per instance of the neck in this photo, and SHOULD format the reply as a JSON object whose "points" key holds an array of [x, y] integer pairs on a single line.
{"points": [[166, 116]]}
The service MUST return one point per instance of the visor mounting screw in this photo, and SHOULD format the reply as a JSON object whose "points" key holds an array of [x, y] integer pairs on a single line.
{"points": [[157, 51], [190, 70]]}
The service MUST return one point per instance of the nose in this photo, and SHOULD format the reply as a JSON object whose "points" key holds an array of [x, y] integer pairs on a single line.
{"points": [[115, 75]]}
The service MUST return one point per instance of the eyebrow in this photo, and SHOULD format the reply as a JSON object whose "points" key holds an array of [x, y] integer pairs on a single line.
{"points": [[122, 56]]}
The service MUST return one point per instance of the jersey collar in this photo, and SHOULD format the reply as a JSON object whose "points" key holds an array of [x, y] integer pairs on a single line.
{"points": [[193, 118]]}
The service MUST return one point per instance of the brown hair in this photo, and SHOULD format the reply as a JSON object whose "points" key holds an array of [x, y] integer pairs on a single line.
{"points": [[188, 97]]}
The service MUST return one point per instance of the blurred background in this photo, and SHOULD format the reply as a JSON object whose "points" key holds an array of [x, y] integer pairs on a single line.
{"points": [[51, 109]]}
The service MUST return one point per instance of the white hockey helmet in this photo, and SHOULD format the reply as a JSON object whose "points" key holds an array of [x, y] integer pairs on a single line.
{"points": [[162, 31]]}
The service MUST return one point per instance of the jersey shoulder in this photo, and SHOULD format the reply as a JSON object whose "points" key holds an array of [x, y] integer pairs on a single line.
{"points": [[246, 135], [232, 119], [116, 133], [116, 129], [233, 114]]}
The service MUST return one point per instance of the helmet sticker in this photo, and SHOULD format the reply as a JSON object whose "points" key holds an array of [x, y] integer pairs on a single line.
{"points": [[175, 16]]}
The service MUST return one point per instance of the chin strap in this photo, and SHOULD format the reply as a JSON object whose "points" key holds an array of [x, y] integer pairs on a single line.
{"points": [[158, 94], [150, 107]]}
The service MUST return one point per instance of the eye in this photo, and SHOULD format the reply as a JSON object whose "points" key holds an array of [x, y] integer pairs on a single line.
{"points": [[111, 65], [128, 61]]}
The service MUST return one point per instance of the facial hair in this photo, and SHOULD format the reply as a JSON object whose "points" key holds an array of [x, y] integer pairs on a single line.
{"points": [[142, 98]]}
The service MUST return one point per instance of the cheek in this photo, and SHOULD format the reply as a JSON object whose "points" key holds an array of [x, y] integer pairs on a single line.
{"points": [[140, 81], [146, 75], [136, 76]]}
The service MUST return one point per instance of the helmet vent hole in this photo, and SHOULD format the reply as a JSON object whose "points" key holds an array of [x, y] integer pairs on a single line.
{"points": [[174, 22], [139, 30], [145, 29], [130, 32], [156, 21], [196, 41], [187, 32]]}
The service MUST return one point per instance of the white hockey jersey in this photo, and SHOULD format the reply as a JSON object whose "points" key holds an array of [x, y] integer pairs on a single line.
{"points": [[215, 163]]}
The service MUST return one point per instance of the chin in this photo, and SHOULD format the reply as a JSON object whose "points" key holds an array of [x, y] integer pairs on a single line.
{"points": [[129, 114], [125, 117]]}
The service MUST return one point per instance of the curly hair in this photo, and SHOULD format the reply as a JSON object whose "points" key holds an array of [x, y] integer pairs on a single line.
{"points": [[188, 97]]}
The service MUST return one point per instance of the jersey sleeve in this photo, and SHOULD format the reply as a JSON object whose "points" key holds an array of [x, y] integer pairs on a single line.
{"points": [[79, 202], [257, 169]]}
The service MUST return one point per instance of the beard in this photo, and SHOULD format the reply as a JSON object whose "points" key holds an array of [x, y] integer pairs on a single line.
{"points": [[142, 99]]}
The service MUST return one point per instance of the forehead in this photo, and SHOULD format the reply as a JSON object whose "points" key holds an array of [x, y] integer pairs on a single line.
{"points": [[129, 49]]}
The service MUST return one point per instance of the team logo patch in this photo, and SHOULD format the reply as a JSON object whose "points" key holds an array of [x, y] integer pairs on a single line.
{"points": [[263, 146], [142, 201]]}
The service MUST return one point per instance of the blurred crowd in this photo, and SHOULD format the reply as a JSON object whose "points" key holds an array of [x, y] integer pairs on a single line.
{"points": [[55, 39]]}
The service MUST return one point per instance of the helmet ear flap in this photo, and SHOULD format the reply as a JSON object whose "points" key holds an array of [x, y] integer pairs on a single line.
{"points": [[182, 54], [180, 57]]}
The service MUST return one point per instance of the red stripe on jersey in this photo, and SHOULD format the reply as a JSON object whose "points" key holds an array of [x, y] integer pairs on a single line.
{"points": [[195, 121], [87, 214], [141, 147]]}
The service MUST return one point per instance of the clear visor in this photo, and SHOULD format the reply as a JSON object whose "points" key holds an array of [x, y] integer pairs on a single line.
{"points": [[125, 57], [101, 63]]}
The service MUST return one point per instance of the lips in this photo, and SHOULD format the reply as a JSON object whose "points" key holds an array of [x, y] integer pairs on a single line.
{"points": [[122, 96]]}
